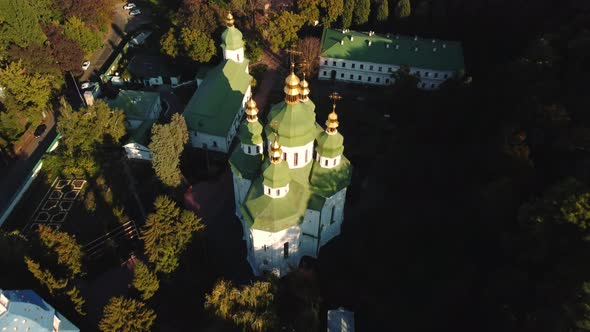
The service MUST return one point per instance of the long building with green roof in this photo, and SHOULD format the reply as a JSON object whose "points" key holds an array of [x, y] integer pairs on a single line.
{"points": [[291, 202], [214, 111], [372, 58]]}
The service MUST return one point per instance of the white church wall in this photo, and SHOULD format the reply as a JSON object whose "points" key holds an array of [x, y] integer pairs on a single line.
{"points": [[297, 156], [309, 233], [235, 55], [276, 192], [332, 216], [328, 162], [269, 250], [251, 149], [241, 187], [210, 142]]}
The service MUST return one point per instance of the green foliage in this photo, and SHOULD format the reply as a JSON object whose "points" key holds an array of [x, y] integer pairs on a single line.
{"points": [[67, 53], [167, 232], [88, 39], [169, 43], [198, 15], [254, 49], [567, 202], [331, 10], [197, 45], [282, 30], [253, 307], [90, 201], [383, 12], [308, 10], [37, 59], [126, 315], [167, 144], [362, 10], [145, 281], [65, 247], [403, 9], [19, 23], [77, 300], [347, 13], [119, 213], [45, 276]]}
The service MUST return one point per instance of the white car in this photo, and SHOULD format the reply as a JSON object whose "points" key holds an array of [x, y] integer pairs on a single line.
{"points": [[87, 85], [85, 65], [135, 12], [128, 6]]}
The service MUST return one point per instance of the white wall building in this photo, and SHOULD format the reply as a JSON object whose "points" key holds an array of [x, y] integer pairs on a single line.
{"points": [[370, 58]]}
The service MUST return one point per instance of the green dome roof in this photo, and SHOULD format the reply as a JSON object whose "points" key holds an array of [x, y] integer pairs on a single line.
{"points": [[296, 123], [276, 175], [231, 39], [330, 146], [251, 133]]}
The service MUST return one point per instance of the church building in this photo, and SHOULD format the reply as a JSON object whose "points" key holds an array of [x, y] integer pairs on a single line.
{"points": [[289, 198], [371, 58], [214, 112]]}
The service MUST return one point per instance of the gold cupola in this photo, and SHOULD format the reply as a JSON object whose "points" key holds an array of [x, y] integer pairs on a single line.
{"points": [[304, 89], [332, 122], [251, 110], [229, 20], [292, 87], [276, 153]]}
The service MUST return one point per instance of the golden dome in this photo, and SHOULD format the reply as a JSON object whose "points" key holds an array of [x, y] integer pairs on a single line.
{"points": [[332, 123], [251, 110], [304, 84], [292, 80], [276, 153], [229, 20]]}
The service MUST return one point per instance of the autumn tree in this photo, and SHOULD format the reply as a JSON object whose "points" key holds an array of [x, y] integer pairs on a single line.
{"points": [[66, 52], [37, 59], [362, 9], [197, 45], [167, 232], [94, 13], [331, 10], [403, 8], [252, 307], [197, 15], [145, 280], [63, 247], [169, 43], [126, 315], [76, 30], [282, 30], [167, 144], [310, 53], [19, 24], [347, 13], [45, 276]]}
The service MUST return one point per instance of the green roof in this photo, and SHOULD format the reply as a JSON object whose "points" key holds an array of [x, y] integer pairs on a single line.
{"points": [[214, 105], [247, 166], [296, 123], [276, 175], [274, 214], [250, 133], [328, 181], [330, 146], [142, 133], [231, 39], [135, 104], [449, 57]]}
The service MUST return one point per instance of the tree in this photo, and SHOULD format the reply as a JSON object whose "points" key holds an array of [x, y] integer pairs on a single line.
{"points": [[94, 13], [65, 248], [331, 10], [347, 13], [76, 30], [167, 144], [197, 15], [310, 53], [45, 276], [145, 281], [383, 12], [403, 9], [126, 315], [169, 43], [282, 30], [19, 24], [308, 10], [197, 45], [167, 232], [253, 307], [77, 300], [362, 9], [66, 52], [37, 59]]}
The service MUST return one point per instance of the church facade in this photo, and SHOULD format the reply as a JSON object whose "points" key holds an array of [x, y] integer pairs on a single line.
{"points": [[214, 112], [290, 198]]}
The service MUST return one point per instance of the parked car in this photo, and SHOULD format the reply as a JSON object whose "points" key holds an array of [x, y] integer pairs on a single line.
{"points": [[87, 85], [85, 65], [39, 130], [129, 5], [135, 12]]}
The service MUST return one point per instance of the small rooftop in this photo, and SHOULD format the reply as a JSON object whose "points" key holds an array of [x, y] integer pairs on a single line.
{"points": [[135, 104], [340, 320]]}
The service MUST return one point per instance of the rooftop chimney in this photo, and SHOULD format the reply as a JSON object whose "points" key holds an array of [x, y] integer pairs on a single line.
{"points": [[351, 38], [369, 43]]}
